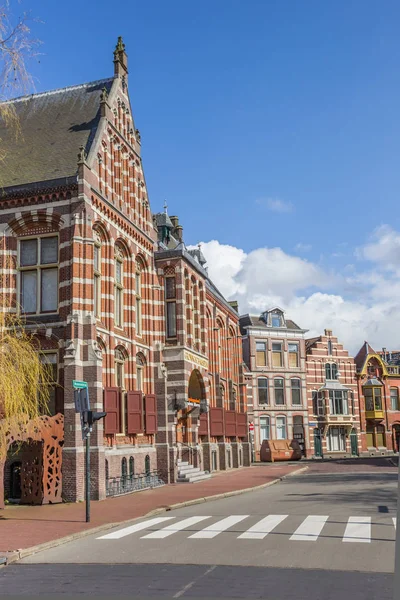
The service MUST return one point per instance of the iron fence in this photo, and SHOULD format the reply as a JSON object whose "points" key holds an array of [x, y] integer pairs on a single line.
{"points": [[117, 486]]}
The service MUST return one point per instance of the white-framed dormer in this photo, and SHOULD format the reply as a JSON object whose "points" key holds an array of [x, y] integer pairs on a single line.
{"points": [[274, 317]]}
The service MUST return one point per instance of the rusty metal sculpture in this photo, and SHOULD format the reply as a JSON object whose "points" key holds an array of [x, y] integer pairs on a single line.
{"points": [[41, 481]]}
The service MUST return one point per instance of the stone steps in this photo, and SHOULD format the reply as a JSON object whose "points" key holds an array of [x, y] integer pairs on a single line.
{"points": [[189, 474]]}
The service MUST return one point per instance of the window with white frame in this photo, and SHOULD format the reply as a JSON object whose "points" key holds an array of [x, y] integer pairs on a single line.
{"points": [[338, 403], [295, 385], [119, 289], [279, 391], [265, 429], [97, 279], [336, 439], [140, 367], [38, 275], [318, 403], [330, 349], [277, 354], [331, 371], [262, 384], [276, 319], [281, 433], [120, 359], [293, 355]]}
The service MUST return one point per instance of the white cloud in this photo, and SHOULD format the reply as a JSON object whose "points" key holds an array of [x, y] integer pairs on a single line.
{"points": [[300, 247], [384, 248], [364, 305], [276, 205]]}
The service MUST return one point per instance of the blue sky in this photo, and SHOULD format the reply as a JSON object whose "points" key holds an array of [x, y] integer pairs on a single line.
{"points": [[264, 123]]}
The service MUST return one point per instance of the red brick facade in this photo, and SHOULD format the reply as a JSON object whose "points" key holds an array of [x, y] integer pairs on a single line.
{"points": [[160, 383]]}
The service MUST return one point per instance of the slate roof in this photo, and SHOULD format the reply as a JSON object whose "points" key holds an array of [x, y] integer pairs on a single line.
{"points": [[311, 341], [362, 354], [53, 127], [254, 321]]}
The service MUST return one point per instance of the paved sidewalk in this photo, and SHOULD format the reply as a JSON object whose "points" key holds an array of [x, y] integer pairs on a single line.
{"points": [[22, 527]]}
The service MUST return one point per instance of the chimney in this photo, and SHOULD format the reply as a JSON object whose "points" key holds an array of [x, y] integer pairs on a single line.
{"points": [[120, 59], [328, 332], [179, 232], [175, 221], [235, 305]]}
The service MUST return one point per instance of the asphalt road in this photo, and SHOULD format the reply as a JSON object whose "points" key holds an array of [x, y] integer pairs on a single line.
{"points": [[313, 536]]}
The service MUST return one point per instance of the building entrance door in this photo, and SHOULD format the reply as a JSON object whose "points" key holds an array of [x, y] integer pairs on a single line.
{"points": [[317, 443]]}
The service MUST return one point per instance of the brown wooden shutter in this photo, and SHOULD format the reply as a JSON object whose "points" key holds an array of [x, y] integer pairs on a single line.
{"points": [[241, 424], [230, 423], [112, 405], [203, 427], [134, 405], [150, 407], [217, 422]]}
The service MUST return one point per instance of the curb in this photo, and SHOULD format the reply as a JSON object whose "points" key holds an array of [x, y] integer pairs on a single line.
{"points": [[19, 554]]}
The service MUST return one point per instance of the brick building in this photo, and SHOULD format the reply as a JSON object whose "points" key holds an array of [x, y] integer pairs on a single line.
{"points": [[378, 378], [275, 356], [112, 294], [332, 394]]}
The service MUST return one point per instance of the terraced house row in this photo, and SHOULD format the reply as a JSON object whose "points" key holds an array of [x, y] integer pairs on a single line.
{"points": [[310, 390], [115, 299]]}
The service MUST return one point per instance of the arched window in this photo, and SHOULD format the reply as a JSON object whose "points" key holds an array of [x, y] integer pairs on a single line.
{"points": [[140, 372], [296, 391], [281, 433], [394, 398], [97, 275], [279, 390], [120, 358], [118, 288], [265, 429], [330, 350], [131, 467], [107, 473], [262, 384], [331, 371], [138, 292], [147, 464]]}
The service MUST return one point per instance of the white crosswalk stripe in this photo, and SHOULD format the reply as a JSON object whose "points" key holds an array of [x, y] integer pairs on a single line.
{"points": [[116, 535], [358, 529], [173, 528], [213, 530], [310, 528], [261, 529]]}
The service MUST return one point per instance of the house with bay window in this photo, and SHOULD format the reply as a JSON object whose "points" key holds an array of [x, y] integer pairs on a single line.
{"points": [[274, 353], [378, 379], [332, 394]]}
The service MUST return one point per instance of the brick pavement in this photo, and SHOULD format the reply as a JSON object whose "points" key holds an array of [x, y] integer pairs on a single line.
{"points": [[26, 526]]}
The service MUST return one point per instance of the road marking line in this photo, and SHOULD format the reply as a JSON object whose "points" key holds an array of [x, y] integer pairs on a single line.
{"points": [[213, 530], [310, 528], [394, 519], [116, 535], [170, 529], [358, 529], [261, 529]]}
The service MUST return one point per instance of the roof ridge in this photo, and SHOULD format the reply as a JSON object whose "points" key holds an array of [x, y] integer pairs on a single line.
{"points": [[57, 90]]}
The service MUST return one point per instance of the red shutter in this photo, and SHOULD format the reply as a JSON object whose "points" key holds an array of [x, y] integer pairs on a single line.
{"points": [[150, 408], [217, 422], [134, 405], [230, 423], [112, 403], [203, 427], [241, 424]]}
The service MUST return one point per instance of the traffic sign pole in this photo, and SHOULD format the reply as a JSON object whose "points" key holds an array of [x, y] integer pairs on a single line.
{"points": [[87, 477]]}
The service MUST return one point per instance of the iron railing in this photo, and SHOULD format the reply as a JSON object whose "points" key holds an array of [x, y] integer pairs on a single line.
{"points": [[117, 486]]}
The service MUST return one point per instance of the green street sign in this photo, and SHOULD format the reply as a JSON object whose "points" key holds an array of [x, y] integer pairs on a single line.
{"points": [[79, 385]]}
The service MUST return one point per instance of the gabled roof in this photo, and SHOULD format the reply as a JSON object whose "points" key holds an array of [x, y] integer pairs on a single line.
{"points": [[362, 354], [311, 342], [53, 127]]}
